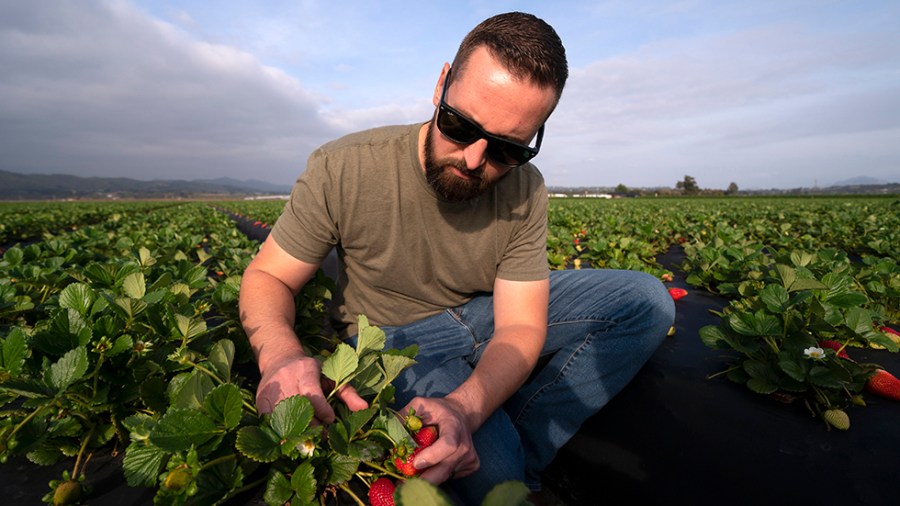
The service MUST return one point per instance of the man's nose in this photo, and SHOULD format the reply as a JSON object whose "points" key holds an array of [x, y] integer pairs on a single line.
{"points": [[475, 153]]}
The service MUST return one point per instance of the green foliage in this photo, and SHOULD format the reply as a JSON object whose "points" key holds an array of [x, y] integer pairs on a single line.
{"points": [[777, 326], [119, 326]]}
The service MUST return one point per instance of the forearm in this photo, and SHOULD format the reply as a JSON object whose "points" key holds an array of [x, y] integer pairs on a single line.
{"points": [[504, 366], [267, 315]]}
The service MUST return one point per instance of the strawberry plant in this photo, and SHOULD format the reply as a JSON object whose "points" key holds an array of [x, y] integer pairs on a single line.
{"points": [[777, 328]]}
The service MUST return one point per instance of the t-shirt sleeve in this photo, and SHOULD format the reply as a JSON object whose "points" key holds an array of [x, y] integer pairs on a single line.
{"points": [[525, 258], [307, 227]]}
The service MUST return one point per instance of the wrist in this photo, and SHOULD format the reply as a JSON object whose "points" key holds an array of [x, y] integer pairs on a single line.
{"points": [[463, 406], [272, 356]]}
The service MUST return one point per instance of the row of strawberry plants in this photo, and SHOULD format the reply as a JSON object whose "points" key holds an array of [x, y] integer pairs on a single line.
{"points": [[804, 283], [34, 220], [126, 334], [803, 275], [106, 319]]}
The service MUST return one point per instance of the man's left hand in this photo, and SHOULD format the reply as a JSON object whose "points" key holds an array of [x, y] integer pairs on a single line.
{"points": [[453, 455]]}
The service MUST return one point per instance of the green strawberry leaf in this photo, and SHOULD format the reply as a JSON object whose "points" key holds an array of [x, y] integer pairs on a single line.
{"points": [[179, 429], [824, 377], [366, 450], [394, 364], [303, 482], [188, 390], [508, 493], [369, 378], [341, 468], [393, 426], [859, 321], [142, 464], [45, 454], [416, 491], [793, 369], [357, 419], [787, 275], [775, 298], [13, 350], [134, 285], [369, 338], [341, 364], [761, 386], [77, 296], [14, 256], [69, 369], [338, 439], [145, 258], [258, 443], [224, 404], [153, 393], [221, 356], [189, 327], [139, 426], [278, 489], [711, 335], [120, 345], [128, 307], [291, 416]]}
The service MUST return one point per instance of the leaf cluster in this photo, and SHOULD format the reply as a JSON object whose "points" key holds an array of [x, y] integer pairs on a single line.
{"points": [[785, 314]]}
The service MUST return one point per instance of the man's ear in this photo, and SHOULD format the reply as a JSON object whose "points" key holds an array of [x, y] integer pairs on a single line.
{"points": [[439, 87]]}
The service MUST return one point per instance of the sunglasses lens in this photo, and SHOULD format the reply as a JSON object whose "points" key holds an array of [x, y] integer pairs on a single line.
{"points": [[459, 129], [508, 154], [456, 127]]}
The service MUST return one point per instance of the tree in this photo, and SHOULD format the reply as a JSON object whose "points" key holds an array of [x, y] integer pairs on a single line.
{"points": [[621, 188], [732, 189], [688, 186]]}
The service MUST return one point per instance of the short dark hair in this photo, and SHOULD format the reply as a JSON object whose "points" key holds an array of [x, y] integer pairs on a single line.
{"points": [[524, 43]]}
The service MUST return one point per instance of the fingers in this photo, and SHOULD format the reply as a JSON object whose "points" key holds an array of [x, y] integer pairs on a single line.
{"points": [[352, 399], [453, 454]]}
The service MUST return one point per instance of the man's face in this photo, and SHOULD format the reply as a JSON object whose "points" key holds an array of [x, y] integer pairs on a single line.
{"points": [[450, 177], [488, 95]]}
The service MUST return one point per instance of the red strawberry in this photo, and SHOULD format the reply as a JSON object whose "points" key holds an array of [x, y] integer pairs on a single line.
{"points": [[405, 464], [836, 346], [884, 384], [892, 334], [677, 293], [381, 492], [426, 436], [888, 330]]}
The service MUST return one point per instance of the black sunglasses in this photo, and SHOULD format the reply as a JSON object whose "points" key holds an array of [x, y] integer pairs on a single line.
{"points": [[461, 130]]}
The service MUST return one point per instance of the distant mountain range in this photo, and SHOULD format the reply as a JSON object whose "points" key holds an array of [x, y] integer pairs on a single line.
{"points": [[14, 186], [861, 181]]}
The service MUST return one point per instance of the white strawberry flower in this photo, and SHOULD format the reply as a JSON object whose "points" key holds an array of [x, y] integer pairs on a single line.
{"points": [[307, 448], [814, 352]]}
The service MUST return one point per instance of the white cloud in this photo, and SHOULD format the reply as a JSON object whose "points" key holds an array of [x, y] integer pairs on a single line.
{"points": [[102, 89], [709, 106]]}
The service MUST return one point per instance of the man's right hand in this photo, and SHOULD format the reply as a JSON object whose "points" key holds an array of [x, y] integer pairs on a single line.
{"points": [[293, 375], [302, 375]]}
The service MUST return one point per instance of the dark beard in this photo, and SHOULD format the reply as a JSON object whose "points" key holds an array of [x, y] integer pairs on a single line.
{"points": [[448, 185]]}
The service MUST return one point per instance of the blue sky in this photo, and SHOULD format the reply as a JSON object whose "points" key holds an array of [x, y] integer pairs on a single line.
{"points": [[761, 93]]}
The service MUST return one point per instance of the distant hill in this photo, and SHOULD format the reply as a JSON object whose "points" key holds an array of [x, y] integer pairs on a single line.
{"points": [[861, 181], [14, 186]]}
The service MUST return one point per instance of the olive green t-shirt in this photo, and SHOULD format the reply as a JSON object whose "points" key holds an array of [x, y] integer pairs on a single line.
{"points": [[404, 253]]}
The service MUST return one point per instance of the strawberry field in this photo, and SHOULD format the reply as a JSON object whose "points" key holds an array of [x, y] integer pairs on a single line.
{"points": [[120, 338]]}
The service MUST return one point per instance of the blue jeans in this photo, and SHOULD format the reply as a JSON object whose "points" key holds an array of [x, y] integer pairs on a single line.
{"points": [[603, 325]]}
